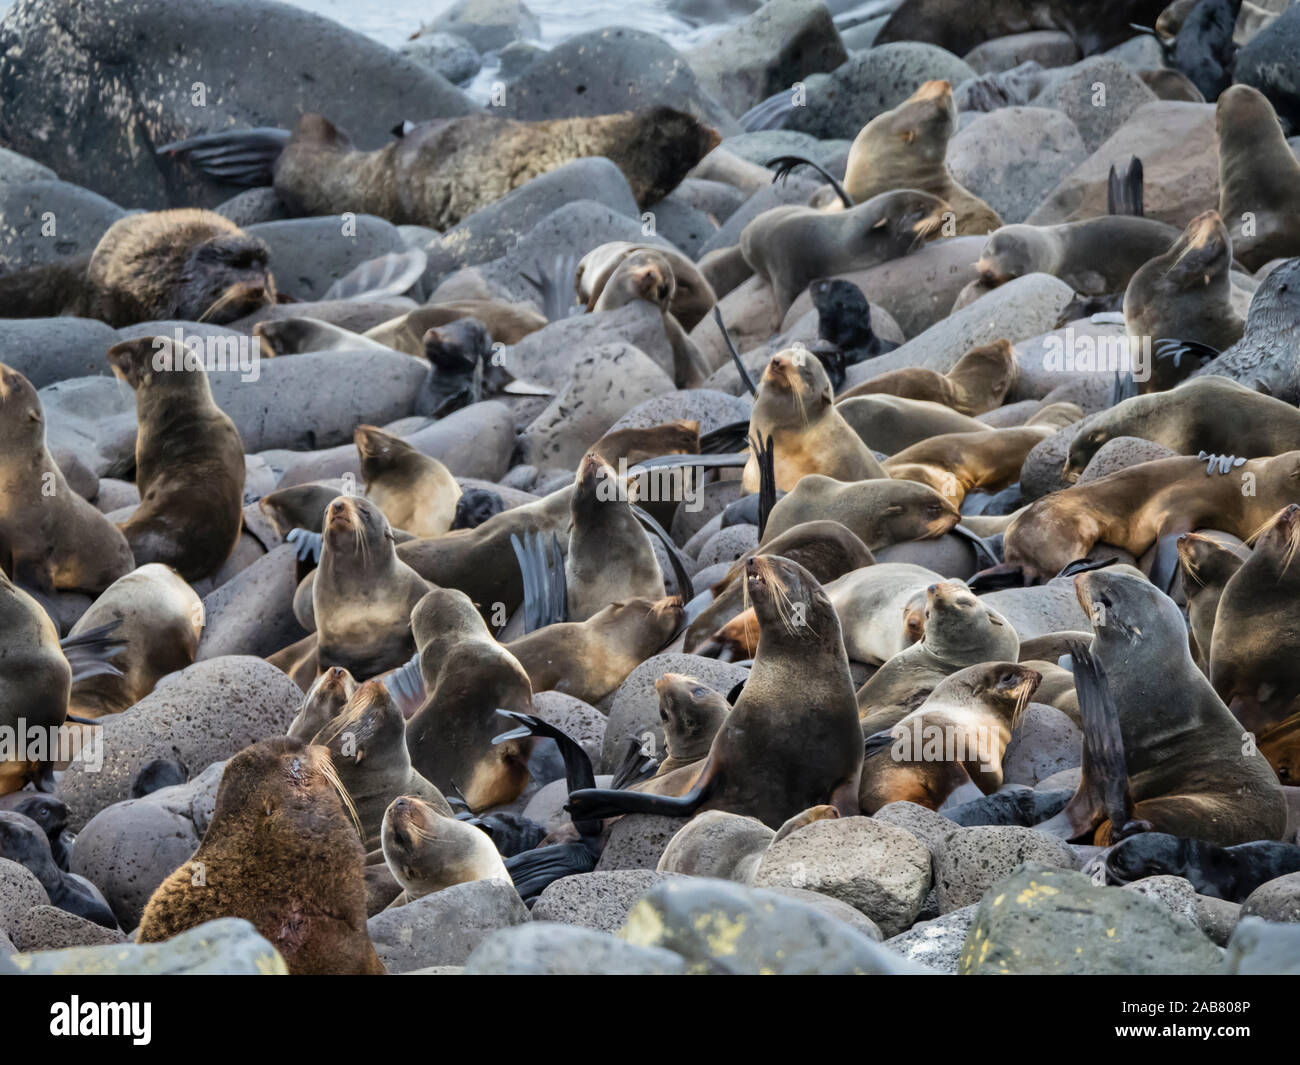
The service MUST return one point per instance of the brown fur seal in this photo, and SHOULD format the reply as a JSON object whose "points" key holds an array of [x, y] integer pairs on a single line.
{"points": [[49, 536], [160, 618], [1259, 178], [905, 149], [678, 437], [444, 170], [792, 740], [363, 593], [183, 265], [35, 678], [890, 423], [189, 461], [879, 512], [792, 246], [590, 659], [1185, 294], [1280, 744], [1212, 414], [960, 630], [1206, 565], [691, 714], [301, 506], [978, 382], [960, 732], [323, 702], [610, 557], [367, 745], [1134, 507], [427, 849], [467, 677], [956, 464], [1094, 256], [692, 297], [1254, 643], [416, 492], [282, 853], [507, 323], [1188, 772], [648, 275], [796, 408]]}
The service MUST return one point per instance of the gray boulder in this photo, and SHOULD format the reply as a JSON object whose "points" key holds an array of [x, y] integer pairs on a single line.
{"points": [[541, 948], [310, 254], [444, 928], [41, 221]]}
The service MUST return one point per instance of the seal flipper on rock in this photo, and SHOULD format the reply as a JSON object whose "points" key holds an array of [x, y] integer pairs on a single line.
{"points": [[237, 157], [534, 870], [1124, 189]]}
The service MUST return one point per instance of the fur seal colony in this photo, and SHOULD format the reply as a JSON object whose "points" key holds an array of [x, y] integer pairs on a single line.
{"points": [[637, 463]]}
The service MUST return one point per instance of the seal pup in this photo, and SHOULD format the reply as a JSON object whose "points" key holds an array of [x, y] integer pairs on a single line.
{"points": [[1186, 293], [1259, 178], [791, 246], [49, 536], [905, 148], [159, 618], [323, 702], [367, 745], [23, 841], [1206, 566], [1230, 873], [960, 630], [978, 382], [442, 171], [428, 850], [1135, 507], [879, 511], [691, 714], [184, 265], [1253, 645], [692, 296], [591, 658], [282, 852], [792, 739], [416, 492], [1150, 715], [881, 608], [467, 676], [506, 323], [959, 733], [795, 407], [189, 460], [1213, 414]]}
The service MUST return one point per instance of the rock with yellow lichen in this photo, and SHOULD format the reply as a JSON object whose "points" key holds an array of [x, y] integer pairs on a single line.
{"points": [[226, 947], [719, 926], [1042, 920]]}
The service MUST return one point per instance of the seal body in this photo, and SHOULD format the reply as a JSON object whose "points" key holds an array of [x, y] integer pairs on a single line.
{"points": [[427, 849], [1259, 178], [416, 492]]}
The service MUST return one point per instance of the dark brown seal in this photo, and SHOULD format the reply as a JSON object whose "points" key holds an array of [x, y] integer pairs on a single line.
{"points": [[1259, 178]]}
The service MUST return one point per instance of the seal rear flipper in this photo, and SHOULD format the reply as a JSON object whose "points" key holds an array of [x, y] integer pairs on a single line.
{"points": [[554, 284], [534, 870], [725, 438], [578, 772], [47, 291], [766, 459], [238, 157], [1165, 564], [685, 588], [745, 378], [88, 653], [768, 114], [1123, 387], [786, 163], [1086, 565], [541, 565], [995, 578], [393, 274], [1124, 189], [713, 462], [635, 765], [983, 553], [406, 687]]}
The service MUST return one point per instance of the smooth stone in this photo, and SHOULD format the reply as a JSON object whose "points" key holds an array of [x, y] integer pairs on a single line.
{"points": [[543, 948], [444, 928]]}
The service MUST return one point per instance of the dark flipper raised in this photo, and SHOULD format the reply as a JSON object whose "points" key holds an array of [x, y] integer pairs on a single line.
{"points": [[1124, 189], [635, 765], [725, 438], [735, 355], [406, 687], [541, 564], [786, 163], [685, 589], [534, 870], [593, 803], [238, 157], [88, 653], [766, 458], [554, 284]]}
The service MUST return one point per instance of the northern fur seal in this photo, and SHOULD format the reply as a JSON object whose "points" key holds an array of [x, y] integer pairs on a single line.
{"points": [[444, 170], [691, 714], [281, 852], [1254, 643], [467, 677], [189, 460], [1230, 873], [792, 740], [1188, 772], [1259, 178], [160, 619], [890, 423], [692, 297], [792, 246], [182, 265], [49, 536], [1134, 507], [321, 703], [905, 148], [589, 659], [508, 323], [416, 492], [1211, 414], [1186, 293], [960, 732], [428, 850], [956, 464], [978, 381], [796, 408], [1207, 565], [879, 511]]}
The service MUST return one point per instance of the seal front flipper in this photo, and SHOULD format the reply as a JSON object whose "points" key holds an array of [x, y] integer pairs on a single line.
{"points": [[88, 653], [1124, 188], [555, 285], [735, 355], [786, 163], [592, 804], [541, 565], [238, 157], [306, 543], [577, 763]]}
